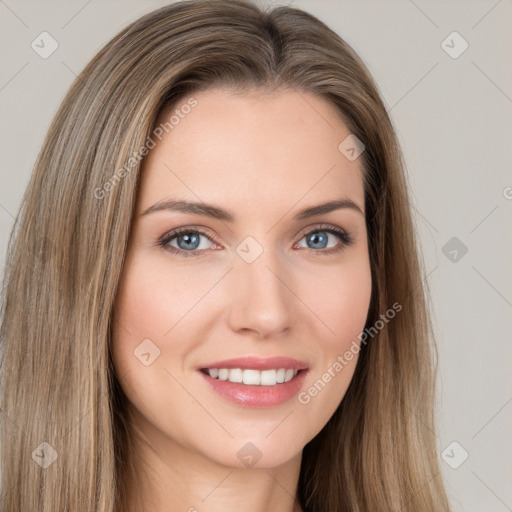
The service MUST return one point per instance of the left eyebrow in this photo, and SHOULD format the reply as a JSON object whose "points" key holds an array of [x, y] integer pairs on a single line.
{"points": [[217, 212], [326, 208]]}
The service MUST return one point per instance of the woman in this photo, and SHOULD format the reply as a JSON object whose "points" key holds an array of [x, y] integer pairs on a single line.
{"points": [[187, 341]]}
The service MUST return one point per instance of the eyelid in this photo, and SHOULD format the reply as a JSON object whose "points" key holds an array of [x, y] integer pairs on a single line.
{"points": [[322, 227], [202, 230]]}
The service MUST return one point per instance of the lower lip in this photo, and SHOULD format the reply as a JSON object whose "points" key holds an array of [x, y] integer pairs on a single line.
{"points": [[256, 396]]}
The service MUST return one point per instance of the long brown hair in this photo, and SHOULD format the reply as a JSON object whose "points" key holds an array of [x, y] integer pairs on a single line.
{"points": [[58, 386]]}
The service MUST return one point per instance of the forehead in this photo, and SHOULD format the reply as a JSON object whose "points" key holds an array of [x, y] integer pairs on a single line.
{"points": [[251, 150]]}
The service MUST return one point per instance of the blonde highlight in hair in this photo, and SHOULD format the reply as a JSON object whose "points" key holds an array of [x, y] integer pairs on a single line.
{"points": [[66, 252]]}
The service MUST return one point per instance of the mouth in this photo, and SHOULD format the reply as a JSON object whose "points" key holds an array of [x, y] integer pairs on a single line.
{"points": [[255, 371], [253, 377], [253, 388]]}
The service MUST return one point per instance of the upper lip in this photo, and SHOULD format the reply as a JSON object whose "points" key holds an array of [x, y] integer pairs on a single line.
{"points": [[257, 363]]}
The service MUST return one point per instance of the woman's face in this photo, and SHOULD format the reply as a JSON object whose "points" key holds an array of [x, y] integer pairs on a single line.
{"points": [[257, 280]]}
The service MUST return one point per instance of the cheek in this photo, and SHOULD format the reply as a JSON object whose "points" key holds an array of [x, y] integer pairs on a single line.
{"points": [[141, 313], [155, 312], [145, 352], [151, 301], [340, 298]]}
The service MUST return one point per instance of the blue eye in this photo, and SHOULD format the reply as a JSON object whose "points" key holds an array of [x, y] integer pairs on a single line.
{"points": [[188, 240], [317, 235]]}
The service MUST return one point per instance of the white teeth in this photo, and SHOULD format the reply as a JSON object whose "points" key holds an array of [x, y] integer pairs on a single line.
{"points": [[288, 375], [236, 375], [268, 377], [253, 377]]}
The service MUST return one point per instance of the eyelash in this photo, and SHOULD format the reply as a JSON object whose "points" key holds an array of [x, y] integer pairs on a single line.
{"points": [[346, 240]]}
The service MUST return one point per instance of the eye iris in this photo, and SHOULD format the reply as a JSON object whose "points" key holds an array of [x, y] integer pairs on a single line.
{"points": [[188, 237], [316, 237]]}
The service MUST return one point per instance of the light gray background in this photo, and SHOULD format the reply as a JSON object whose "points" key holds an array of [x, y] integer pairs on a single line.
{"points": [[453, 119]]}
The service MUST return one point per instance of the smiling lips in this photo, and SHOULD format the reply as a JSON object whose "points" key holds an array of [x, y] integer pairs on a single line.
{"points": [[256, 382], [256, 371]]}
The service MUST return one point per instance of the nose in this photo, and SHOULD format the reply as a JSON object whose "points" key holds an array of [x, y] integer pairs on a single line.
{"points": [[261, 300]]}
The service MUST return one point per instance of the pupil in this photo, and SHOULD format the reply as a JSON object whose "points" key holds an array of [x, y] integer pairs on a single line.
{"points": [[316, 238], [189, 239]]}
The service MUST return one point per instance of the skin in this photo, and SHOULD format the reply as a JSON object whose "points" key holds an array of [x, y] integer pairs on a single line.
{"points": [[262, 157]]}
